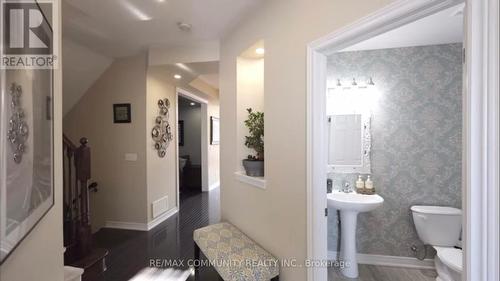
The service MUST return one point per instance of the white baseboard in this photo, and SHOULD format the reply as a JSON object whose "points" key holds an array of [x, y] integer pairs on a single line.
{"points": [[161, 218], [141, 226], [126, 225], [395, 261], [213, 186]]}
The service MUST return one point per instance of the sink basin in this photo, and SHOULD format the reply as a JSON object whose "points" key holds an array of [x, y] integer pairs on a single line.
{"points": [[354, 201], [350, 204]]}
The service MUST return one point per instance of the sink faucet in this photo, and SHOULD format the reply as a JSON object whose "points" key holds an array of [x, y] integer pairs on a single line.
{"points": [[346, 188]]}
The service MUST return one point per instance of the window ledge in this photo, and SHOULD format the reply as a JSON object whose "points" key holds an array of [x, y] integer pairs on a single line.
{"points": [[259, 182]]}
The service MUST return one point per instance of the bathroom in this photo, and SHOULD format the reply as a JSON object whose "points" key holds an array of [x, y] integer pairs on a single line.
{"points": [[394, 114]]}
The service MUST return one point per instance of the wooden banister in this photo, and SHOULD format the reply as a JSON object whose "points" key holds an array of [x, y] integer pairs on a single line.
{"points": [[77, 230]]}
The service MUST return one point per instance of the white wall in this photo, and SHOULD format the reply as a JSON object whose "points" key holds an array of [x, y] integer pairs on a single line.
{"points": [[122, 195], [161, 172], [212, 96], [82, 67], [40, 255], [276, 217], [191, 115], [250, 94]]}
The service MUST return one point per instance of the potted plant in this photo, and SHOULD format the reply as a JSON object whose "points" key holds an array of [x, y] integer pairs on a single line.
{"points": [[254, 164]]}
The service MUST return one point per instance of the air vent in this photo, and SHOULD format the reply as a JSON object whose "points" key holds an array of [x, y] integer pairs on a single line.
{"points": [[160, 206]]}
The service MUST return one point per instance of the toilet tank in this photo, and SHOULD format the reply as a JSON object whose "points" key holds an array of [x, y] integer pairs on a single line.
{"points": [[437, 226]]}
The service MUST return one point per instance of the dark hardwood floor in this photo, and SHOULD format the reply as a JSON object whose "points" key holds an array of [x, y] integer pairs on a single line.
{"points": [[133, 251]]}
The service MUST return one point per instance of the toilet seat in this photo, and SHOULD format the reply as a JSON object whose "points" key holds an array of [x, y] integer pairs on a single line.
{"points": [[451, 257]]}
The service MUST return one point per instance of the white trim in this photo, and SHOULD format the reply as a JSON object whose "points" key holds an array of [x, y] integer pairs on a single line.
{"points": [[191, 96], [317, 230], [392, 16], [177, 171], [141, 226], [161, 218], [126, 225], [481, 121], [213, 186], [394, 261], [259, 182], [204, 137]]}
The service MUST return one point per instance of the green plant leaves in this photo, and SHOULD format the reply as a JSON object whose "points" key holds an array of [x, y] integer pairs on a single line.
{"points": [[255, 125]]}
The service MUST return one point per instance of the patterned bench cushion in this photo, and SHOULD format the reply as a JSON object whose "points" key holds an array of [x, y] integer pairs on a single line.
{"points": [[235, 256]]}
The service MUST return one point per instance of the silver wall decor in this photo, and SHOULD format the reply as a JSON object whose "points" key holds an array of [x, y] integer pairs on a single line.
{"points": [[162, 132], [18, 128]]}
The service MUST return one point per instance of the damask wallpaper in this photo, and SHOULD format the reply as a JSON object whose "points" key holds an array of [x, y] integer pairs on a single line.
{"points": [[416, 139]]}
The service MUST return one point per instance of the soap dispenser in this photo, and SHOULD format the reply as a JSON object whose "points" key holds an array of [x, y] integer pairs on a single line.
{"points": [[369, 183], [360, 184]]}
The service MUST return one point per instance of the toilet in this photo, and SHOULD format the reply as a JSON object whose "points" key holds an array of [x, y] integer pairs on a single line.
{"points": [[440, 227]]}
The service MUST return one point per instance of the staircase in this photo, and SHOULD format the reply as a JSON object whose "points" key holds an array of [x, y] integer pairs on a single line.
{"points": [[77, 230]]}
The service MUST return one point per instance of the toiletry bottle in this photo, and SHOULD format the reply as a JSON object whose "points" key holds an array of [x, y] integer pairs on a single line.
{"points": [[329, 186], [369, 183], [360, 184]]}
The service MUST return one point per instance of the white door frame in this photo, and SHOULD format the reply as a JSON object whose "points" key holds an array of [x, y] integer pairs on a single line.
{"points": [[480, 137], [204, 139]]}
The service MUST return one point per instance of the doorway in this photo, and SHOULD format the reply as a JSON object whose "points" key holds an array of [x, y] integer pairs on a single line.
{"points": [[192, 146], [480, 215]]}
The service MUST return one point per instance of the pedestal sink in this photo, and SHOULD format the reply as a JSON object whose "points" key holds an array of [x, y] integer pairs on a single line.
{"points": [[350, 204]]}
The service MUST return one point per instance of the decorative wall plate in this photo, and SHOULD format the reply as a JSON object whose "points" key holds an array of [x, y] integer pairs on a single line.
{"points": [[18, 128], [162, 132]]}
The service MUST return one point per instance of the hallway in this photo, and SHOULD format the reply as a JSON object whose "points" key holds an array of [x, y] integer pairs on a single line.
{"points": [[131, 251]]}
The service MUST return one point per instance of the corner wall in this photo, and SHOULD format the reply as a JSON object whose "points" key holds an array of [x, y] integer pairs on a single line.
{"points": [[161, 172], [122, 195], [276, 217], [212, 96]]}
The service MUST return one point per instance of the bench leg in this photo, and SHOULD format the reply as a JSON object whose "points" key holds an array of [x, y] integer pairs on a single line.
{"points": [[277, 278]]}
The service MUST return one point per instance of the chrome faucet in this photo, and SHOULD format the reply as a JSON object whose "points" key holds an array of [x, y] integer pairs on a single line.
{"points": [[346, 188]]}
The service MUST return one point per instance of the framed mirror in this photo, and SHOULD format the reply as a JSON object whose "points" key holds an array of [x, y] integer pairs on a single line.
{"points": [[349, 143]]}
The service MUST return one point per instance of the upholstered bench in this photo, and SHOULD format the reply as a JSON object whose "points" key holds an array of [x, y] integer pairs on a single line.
{"points": [[235, 256]]}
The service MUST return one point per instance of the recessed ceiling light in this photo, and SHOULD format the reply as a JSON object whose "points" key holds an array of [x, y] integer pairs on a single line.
{"points": [[184, 26], [260, 51], [160, 1], [177, 76], [192, 104]]}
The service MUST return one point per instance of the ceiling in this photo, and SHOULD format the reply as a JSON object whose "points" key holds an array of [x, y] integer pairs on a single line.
{"points": [[118, 28], [187, 103], [441, 28], [206, 71]]}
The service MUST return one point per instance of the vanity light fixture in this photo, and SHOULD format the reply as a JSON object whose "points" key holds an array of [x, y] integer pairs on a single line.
{"points": [[177, 76], [192, 104], [260, 51]]}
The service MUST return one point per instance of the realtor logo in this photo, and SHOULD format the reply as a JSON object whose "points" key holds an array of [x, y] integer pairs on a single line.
{"points": [[27, 35]]}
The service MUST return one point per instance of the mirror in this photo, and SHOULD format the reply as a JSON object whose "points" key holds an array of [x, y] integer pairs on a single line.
{"points": [[349, 143]]}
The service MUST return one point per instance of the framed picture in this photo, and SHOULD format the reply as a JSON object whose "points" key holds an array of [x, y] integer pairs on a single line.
{"points": [[122, 113], [27, 148], [214, 131], [181, 132]]}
